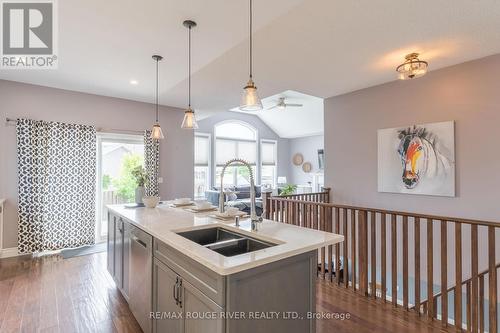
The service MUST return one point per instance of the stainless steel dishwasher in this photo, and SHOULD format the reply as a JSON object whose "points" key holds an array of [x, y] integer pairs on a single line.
{"points": [[140, 277]]}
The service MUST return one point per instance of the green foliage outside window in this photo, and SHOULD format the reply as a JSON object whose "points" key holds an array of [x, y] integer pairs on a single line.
{"points": [[131, 174]]}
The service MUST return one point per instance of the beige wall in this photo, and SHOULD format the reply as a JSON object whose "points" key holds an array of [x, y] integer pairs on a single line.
{"points": [[468, 93], [29, 101]]}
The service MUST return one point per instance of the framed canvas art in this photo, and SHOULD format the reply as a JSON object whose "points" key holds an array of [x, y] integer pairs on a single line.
{"points": [[417, 159]]}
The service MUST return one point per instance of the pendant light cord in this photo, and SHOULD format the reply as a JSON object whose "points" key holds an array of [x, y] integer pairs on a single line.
{"points": [[251, 39], [189, 68], [157, 74]]}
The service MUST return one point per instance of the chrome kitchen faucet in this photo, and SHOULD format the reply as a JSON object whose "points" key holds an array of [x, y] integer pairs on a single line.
{"points": [[253, 214]]}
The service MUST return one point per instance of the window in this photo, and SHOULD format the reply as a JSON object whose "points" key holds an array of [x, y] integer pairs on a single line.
{"points": [[235, 130], [235, 140], [268, 157], [201, 164]]}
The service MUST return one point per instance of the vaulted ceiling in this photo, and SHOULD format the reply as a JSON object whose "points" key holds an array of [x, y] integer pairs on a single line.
{"points": [[318, 47]]}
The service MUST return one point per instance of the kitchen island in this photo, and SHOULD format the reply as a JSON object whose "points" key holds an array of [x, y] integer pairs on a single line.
{"points": [[189, 272]]}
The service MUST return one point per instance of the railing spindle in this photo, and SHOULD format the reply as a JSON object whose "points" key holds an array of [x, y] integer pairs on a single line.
{"points": [[322, 227], [353, 248], [337, 246], [346, 248], [444, 273], [363, 251], [481, 303], [492, 280], [474, 281], [405, 262], [416, 233], [373, 262], [430, 270], [315, 217], [383, 252], [394, 260], [330, 247], [468, 307], [458, 275]]}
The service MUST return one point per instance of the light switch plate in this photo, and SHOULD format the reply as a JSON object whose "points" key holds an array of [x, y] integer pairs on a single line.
{"points": [[160, 180]]}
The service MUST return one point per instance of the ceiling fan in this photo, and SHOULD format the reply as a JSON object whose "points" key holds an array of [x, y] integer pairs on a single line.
{"points": [[282, 105]]}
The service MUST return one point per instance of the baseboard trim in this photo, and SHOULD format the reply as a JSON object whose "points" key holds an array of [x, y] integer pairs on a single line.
{"points": [[9, 252]]}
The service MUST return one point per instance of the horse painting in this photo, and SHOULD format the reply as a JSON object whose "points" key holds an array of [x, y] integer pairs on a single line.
{"points": [[419, 156], [421, 162]]}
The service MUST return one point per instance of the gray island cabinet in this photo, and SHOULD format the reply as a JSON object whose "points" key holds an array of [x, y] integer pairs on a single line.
{"points": [[175, 291], [255, 300]]}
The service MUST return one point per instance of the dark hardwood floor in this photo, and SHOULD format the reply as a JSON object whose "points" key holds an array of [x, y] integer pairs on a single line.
{"points": [[51, 294]]}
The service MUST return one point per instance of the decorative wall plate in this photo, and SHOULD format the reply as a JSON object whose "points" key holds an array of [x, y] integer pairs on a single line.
{"points": [[307, 167], [298, 159]]}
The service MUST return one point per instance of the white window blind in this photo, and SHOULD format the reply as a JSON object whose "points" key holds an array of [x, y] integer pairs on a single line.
{"points": [[201, 150], [268, 153], [226, 150]]}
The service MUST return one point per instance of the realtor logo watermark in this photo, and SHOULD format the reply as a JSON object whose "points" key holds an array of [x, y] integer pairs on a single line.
{"points": [[29, 34]]}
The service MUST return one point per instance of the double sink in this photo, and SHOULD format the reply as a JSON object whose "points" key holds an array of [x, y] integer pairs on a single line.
{"points": [[225, 242]]}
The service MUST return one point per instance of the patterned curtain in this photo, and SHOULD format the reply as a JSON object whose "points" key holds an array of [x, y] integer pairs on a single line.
{"points": [[152, 163], [57, 185]]}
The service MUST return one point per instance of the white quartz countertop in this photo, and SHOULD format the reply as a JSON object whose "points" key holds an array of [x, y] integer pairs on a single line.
{"points": [[164, 221]]}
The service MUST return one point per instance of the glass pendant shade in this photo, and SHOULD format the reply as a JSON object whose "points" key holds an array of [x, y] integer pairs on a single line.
{"points": [[156, 132], [189, 121], [250, 100]]}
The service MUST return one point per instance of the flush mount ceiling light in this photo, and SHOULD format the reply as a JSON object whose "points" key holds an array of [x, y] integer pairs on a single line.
{"points": [[134, 82], [250, 100], [189, 121], [412, 67], [156, 132]]}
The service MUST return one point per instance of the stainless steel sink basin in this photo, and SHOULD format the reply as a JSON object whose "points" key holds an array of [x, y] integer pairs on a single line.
{"points": [[225, 242]]}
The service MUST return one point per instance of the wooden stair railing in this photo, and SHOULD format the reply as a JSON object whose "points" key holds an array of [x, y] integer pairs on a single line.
{"points": [[467, 283], [381, 244], [323, 196]]}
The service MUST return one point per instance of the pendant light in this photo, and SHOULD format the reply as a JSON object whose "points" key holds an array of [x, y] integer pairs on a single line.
{"points": [[189, 121], [156, 132], [250, 100]]}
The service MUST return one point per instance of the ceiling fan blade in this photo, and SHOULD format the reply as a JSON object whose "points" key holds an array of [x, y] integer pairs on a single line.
{"points": [[294, 105], [272, 107]]}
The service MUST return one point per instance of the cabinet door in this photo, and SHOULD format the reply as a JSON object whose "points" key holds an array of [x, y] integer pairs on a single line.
{"points": [[195, 303], [119, 252], [111, 244], [168, 313]]}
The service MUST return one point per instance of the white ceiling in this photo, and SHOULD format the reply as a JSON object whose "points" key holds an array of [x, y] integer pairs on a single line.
{"points": [[319, 47], [292, 122]]}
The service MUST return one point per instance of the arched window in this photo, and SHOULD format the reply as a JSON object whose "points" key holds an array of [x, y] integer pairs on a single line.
{"points": [[235, 130], [235, 139]]}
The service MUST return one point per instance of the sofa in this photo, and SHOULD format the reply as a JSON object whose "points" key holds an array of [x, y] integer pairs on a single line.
{"points": [[240, 197]]}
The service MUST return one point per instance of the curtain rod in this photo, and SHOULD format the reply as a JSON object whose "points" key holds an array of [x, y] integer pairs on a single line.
{"points": [[99, 129]]}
